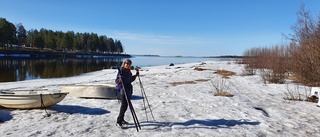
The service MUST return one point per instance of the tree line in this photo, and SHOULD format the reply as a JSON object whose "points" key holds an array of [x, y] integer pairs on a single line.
{"points": [[70, 41], [298, 60]]}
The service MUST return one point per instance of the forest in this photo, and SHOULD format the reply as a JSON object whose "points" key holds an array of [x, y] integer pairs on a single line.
{"points": [[17, 37]]}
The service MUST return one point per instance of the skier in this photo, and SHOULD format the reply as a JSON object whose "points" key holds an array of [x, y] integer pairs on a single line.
{"points": [[126, 77]]}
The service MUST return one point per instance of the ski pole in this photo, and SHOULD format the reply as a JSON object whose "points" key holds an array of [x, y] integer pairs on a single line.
{"points": [[134, 116], [144, 104], [145, 95]]}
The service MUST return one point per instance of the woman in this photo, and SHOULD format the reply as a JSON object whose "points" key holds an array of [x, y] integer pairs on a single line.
{"points": [[126, 77]]}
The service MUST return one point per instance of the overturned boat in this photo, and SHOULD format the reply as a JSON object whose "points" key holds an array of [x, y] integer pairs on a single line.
{"points": [[102, 91], [30, 99]]}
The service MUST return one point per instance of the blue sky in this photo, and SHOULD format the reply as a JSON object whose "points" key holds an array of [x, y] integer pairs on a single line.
{"points": [[167, 27]]}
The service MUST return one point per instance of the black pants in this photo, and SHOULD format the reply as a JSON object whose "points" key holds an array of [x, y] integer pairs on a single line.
{"points": [[124, 103]]}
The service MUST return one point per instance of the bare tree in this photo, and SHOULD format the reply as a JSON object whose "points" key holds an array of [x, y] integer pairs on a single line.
{"points": [[305, 48]]}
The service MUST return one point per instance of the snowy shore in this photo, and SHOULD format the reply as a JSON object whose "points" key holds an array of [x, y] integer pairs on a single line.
{"points": [[182, 102]]}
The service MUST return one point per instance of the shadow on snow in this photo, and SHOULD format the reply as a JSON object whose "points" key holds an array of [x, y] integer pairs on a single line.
{"points": [[219, 123], [134, 97], [70, 109], [209, 124], [5, 115]]}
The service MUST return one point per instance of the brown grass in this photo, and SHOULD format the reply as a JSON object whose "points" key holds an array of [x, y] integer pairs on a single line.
{"points": [[188, 82], [202, 80], [225, 94], [181, 83], [292, 99], [296, 79], [225, 73], [199, 69], [313, 99]]}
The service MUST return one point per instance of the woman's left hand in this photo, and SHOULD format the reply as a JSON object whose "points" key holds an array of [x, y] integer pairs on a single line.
{"points": [[137, 71]]}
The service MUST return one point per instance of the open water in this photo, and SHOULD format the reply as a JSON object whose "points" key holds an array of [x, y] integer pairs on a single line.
{"points": [[19, 69]]}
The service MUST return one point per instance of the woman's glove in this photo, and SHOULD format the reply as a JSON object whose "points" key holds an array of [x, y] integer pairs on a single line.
{"points": [[137, 71], [119, 81]]}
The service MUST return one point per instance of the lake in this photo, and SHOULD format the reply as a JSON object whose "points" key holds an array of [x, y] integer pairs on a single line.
{"points": [[19, 69]]}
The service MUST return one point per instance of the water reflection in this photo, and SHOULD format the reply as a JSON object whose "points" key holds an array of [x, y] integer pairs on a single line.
{"points": [[25, 69], [18, 69]]}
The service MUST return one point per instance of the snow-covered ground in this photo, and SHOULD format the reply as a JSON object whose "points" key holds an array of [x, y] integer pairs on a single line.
{"points": [[187, 108]]}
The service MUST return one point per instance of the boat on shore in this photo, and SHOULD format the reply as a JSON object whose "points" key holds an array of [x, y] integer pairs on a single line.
{"points": [[102, 91], [30, 99]]}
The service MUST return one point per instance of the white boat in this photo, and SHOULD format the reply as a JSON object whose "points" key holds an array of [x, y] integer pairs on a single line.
{"points": [[103, 91], [315, 91], [30, 99]]}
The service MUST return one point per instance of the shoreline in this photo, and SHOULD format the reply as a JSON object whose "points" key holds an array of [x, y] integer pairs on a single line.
{"points": [[35, 53]]}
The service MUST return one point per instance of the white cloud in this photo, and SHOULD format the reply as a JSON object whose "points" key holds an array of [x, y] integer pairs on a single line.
{"points": [[160, 39], [171, 45]]}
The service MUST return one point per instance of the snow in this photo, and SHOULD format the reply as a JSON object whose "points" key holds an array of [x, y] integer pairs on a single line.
{"points": [[185, 109]]}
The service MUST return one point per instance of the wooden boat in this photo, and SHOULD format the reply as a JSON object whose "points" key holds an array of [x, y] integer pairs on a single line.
{"points": [[102, 91], [30, 99]]}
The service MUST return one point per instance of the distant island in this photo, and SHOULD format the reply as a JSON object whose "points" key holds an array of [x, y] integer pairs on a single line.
{"points": [[149, 55], [180, 56], [225, 56]]}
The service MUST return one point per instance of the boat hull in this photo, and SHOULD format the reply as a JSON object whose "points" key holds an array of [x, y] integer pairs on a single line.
{"points": [[30, 100], [103, 91]]}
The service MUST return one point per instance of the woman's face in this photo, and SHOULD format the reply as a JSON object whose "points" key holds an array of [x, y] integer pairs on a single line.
{"points": [[127, 64]]}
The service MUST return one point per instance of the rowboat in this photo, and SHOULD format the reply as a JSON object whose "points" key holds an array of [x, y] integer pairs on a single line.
{"points": [[30, 99], [102, 91]]}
